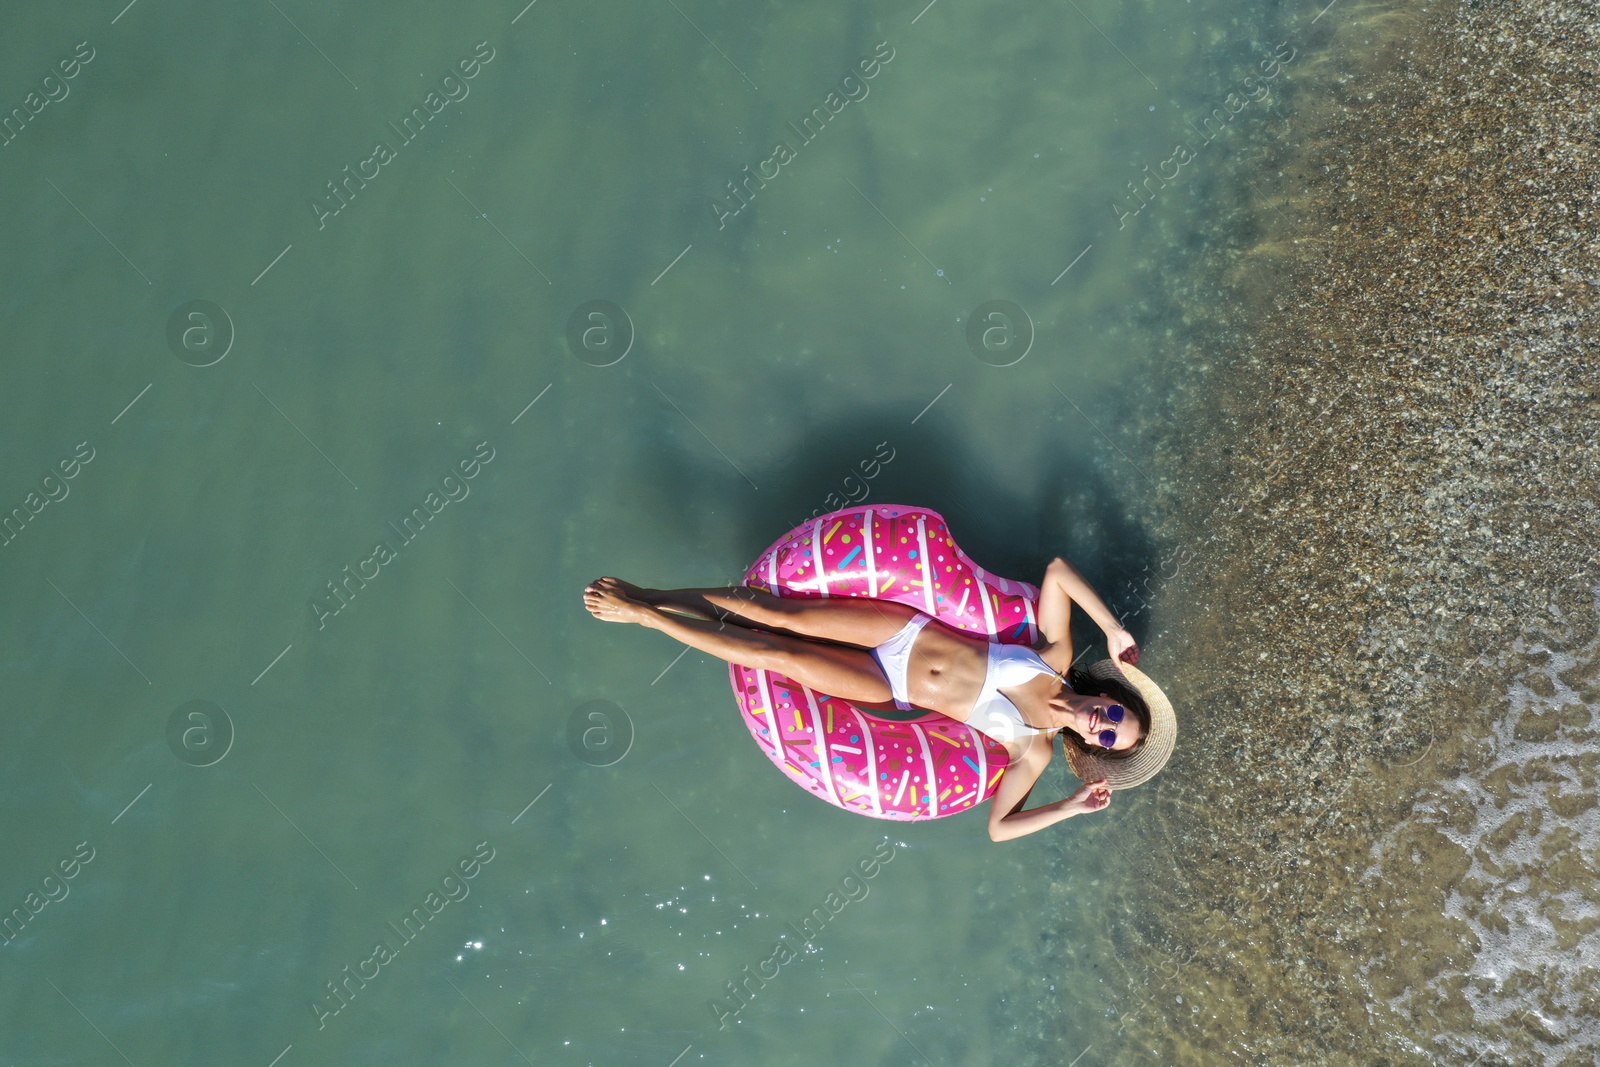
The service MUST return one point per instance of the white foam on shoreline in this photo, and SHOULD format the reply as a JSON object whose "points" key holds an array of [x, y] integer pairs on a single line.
{"points": [[1534, 976]]}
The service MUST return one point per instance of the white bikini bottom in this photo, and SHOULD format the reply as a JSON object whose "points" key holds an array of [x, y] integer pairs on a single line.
{"points": [[894, 658]]}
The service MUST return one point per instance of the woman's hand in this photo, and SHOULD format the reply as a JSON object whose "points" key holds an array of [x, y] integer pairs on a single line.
{"points": [[1091, 796], [1122, 646]]}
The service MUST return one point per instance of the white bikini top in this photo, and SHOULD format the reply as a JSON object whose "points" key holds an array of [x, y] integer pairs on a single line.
{"points": [[993, 715]]}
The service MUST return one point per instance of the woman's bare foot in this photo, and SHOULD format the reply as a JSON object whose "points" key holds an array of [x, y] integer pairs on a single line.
{"points": [[637, 593], [607, 599], [688, 602]]}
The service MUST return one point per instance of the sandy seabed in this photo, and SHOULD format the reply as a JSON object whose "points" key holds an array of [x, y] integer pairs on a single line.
{"points": [[1373, 445]]}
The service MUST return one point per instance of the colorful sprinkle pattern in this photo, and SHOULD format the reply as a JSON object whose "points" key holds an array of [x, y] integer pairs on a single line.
{"points": [[925, 768]]}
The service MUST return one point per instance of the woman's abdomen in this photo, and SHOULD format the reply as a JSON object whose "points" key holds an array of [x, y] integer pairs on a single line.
{"points": [[946, 670]]}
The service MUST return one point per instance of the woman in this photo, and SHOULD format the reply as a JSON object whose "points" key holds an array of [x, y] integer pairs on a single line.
{"points": [[871, 652]]}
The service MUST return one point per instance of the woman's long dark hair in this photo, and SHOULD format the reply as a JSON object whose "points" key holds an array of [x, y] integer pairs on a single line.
{"points": [[1116, 689]]}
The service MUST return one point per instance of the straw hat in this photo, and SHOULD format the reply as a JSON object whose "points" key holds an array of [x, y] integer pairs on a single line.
{"points": [[1150, 757]]}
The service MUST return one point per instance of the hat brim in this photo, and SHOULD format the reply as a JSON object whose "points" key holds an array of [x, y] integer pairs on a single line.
{"points": [[1127, 772]]}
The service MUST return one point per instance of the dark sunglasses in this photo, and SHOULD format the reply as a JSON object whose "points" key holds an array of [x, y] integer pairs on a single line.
{"points": [[1114, 715]]}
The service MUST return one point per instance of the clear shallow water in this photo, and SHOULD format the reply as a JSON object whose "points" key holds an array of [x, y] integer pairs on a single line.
{"points": [[1501, 843], [375, 350]]}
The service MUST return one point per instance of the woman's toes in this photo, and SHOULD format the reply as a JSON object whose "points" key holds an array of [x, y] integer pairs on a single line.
{"points": [[606, 602]]}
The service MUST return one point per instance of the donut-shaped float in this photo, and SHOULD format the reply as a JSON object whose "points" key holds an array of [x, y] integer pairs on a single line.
{"points": [[906, 770]]}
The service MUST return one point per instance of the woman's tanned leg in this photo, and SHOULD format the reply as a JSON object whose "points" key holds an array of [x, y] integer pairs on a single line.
{"points": [[847, 620], [843, 672], [859, 621], [737, 604]]}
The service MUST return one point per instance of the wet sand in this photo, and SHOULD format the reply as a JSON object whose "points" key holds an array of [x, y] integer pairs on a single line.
{"points": [[1376, 467]]}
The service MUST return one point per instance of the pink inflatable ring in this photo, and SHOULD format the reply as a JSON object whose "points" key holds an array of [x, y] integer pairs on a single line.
{"points": [[906, 770]]}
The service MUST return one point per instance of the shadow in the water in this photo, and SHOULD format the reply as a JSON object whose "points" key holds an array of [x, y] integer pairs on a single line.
{"points": [[1013, 525]]}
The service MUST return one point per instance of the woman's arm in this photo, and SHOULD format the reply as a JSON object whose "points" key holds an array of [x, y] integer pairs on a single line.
{"points": [[1064, 586], [1007, 820], [1066, 576]]}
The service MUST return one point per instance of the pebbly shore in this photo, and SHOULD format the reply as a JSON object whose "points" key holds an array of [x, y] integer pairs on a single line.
{"points": [[1374, 439]]}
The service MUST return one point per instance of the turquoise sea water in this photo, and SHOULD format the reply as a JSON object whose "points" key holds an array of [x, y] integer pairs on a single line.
{"points": [[254, 380]]}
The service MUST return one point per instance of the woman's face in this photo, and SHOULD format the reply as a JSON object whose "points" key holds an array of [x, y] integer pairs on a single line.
{"points": [[1089, 718]]}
